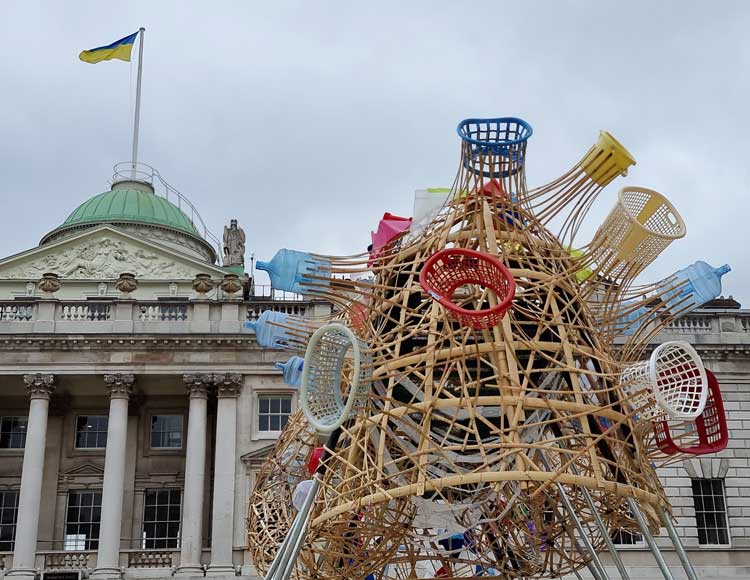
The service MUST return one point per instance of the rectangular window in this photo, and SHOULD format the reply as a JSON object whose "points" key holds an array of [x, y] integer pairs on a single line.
{"points": [[627, 537], [13, 432], [710, 511], [166, 431], [82, 520], [161, 519], [8, 517], [91, 431], [273, 412]]}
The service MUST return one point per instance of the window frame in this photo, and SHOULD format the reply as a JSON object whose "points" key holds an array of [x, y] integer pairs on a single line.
{"points": [[257, 397], [144, 522], [14, 523], [725, 512], [91, 543], [149, 427], [76, 447], [11, 449]]}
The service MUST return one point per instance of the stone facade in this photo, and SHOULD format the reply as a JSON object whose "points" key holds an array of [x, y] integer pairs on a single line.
{"points": [[129, 407]]}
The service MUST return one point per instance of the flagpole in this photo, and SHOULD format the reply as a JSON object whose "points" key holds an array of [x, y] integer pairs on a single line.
{"points": [[137, 122]]}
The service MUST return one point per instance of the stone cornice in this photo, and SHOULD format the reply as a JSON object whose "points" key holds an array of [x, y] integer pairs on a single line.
{"points": [[708, 351], [120, 385], [228, 384], [39, 385], [126, 342]]}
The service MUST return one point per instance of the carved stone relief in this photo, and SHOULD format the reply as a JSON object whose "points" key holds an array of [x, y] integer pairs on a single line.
{"points": [[102, 258]]}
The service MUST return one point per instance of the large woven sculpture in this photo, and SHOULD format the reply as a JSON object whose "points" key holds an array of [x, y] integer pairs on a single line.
{"points": [[490, 426]]}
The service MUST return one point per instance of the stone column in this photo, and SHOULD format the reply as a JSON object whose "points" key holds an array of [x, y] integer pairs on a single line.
{"points": [[195, 475], [39, 387], [108, 557], [228, 388]]}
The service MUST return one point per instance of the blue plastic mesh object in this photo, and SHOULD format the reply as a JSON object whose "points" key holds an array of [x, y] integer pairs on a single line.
{"points": [[270, 335], [292, 370], [290, 267], [494, 147]]}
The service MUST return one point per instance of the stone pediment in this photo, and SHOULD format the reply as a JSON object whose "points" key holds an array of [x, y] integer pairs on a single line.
{"points": [[85, 469], [256, 457], [104, 253]]}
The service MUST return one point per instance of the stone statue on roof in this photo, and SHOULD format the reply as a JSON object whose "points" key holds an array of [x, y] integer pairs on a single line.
{"points": [[234, 245]]}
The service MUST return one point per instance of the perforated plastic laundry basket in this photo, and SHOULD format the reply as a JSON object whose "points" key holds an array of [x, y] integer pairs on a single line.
{"points": [[447, 270], [335, 377]]}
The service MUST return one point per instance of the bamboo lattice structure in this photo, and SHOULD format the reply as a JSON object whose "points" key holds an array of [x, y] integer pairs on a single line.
{"points": [[486, 424]]}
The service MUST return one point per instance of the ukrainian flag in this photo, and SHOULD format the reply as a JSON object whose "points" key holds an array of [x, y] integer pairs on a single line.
{"points": [[119, 49]]}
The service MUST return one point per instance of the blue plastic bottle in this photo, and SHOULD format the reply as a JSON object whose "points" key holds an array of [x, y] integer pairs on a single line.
{"points": [[292, 370], [696, 285], [288, 267], [270, 335], [682, 292], [627, 323]]}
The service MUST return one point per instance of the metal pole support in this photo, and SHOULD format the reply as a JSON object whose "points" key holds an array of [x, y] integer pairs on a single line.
{"points": [[650, 539], [605, 532], [689, 570]]}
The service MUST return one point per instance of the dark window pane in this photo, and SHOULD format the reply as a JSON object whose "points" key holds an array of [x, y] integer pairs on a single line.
{"points": [[273, 412], [12, 432], [161, 522], [710, 511]]}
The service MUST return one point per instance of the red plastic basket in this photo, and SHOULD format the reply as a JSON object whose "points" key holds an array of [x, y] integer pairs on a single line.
{"points": [[450, 269], [711, 426]]}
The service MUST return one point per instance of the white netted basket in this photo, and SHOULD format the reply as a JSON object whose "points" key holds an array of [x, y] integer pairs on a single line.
{"points": [[639, 228], [335, 376], [671, 383]]}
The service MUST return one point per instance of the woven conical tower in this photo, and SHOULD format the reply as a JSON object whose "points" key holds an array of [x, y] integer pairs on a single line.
{"points": [[492, 391]]}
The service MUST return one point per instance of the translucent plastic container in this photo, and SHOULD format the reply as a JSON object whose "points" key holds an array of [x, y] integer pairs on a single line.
{"points": [[682, 292], [268, 334], [427, 204], [292, 370], [693, 286], [289, 268]]}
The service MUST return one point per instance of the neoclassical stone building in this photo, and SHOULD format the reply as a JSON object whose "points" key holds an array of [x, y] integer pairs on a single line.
{"points": [[135, 406]]}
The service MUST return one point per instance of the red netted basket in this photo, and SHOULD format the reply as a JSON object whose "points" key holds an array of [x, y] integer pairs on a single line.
{"points": [[450, 269], [710, 426]]}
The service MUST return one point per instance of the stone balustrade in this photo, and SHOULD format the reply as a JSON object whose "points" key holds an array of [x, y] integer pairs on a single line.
{"points": [[66, 560], [130, 316]]}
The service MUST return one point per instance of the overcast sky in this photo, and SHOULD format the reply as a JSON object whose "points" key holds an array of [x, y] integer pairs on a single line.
{"points": [[307, 120]]}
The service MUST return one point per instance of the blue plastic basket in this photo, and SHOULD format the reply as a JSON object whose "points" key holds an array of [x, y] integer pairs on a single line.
{"points": [[494, 148]]}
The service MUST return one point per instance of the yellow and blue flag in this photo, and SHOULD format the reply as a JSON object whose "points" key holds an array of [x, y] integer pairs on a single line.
{"points": [[119, 49]]}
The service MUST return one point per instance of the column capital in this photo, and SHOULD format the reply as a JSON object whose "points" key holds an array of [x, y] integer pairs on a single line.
{"points": [[228, 384], [39, 385], [119, 385], [198, 385]]}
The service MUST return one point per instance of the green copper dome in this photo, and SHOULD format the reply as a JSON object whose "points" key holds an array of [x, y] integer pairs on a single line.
{"points": [[130, 205]]}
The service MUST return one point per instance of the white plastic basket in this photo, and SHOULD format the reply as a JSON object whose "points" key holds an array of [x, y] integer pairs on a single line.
{"points": [[330, 348], [639, 228], [672, 382]]}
